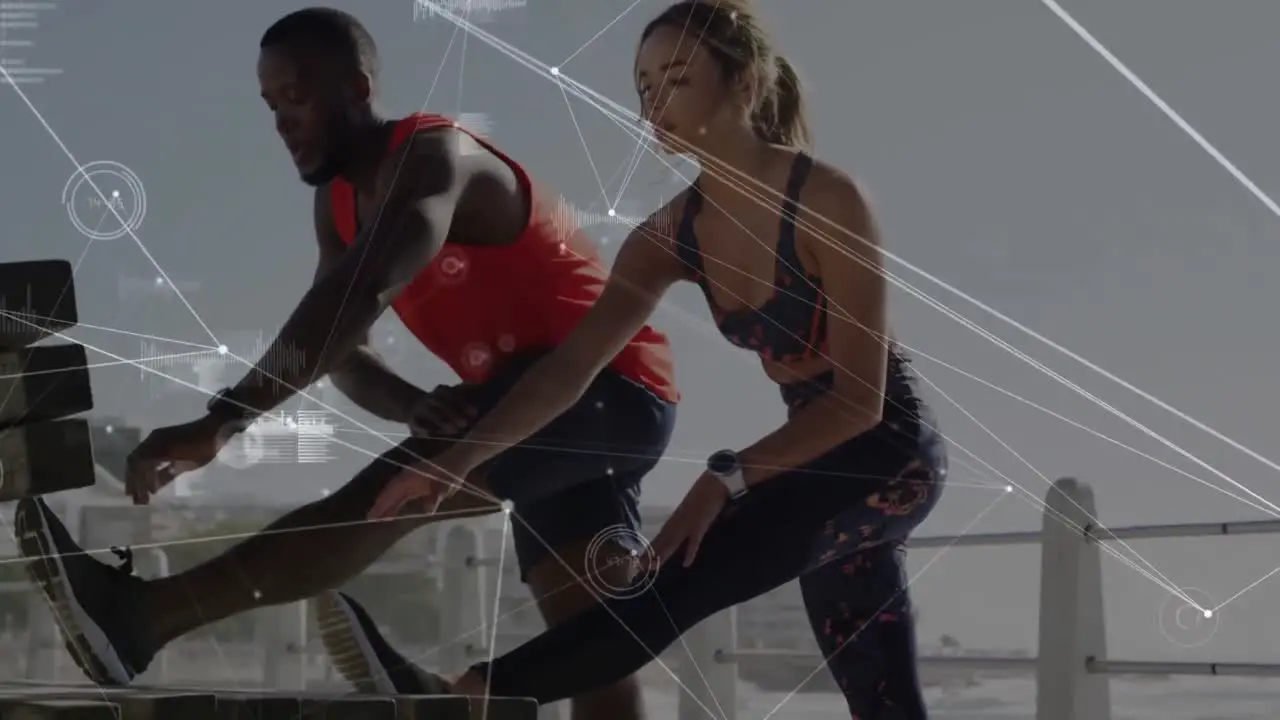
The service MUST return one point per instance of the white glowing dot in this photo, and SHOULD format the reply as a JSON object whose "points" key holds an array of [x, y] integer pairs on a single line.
{"points": [[555, 71], [257, 595], [115, 193], [599, 404], [608, 471], [1208, 613], [1008, 488], [222, 350], [563, 248], [110, 429], [613, 213], [159, 281], [508, 506], [325, 492], [634, 553]]}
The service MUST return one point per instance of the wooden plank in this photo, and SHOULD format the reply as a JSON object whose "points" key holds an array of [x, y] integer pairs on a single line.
{"points": [[267, 706], [167, 706], [349, 708], [71, 709], [36, 298], [81, 703], [50, 382], [432, 707], [510, 709], [457, 707], [45, 458], [132, 705]]}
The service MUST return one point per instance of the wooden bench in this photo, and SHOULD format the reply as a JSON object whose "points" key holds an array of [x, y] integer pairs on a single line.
{"points": [[160, 704], [37, 298], [42, 451]]}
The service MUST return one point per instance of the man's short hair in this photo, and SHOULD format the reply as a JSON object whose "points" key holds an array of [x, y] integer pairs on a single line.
{"points": [[336, 33]]}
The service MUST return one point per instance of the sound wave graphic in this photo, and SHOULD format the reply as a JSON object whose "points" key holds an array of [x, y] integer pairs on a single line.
{"points": [[19, 321], [566, 217], [210, 365], [472, 10], [478, 123], [154, 356]]}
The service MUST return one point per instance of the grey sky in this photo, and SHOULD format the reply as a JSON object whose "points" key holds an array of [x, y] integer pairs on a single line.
{"points": [[1002, 155]]}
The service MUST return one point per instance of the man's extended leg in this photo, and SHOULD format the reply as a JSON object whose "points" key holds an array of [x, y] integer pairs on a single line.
{"points": [[123, 620], [364, 658], [265, 569], [574, 548]]}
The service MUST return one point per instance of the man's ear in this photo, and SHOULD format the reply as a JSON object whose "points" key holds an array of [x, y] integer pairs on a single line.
{"points": [[363, 88]]}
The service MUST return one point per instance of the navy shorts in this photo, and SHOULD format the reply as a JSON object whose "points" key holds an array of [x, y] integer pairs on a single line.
{"points": [[579, 476]]}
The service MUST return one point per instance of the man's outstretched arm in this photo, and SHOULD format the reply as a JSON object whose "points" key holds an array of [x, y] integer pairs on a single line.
{"points": [[362, 376], [419, 197]]}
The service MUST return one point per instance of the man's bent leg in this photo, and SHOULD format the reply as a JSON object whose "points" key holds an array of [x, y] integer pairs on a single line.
{"points": [[572, 580], [281, 563]]}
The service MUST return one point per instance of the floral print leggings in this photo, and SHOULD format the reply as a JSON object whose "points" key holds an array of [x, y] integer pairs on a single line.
{"points": [[838, 525]]}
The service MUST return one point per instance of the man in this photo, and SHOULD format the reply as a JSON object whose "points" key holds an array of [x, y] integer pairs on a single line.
{"points": [[417, 215]]}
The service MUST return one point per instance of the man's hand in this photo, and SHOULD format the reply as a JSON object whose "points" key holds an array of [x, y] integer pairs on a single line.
{"points": [[444, 412], [170, 451]]}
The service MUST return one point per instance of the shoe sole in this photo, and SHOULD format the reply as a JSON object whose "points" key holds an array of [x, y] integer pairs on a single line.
{"points": [[348, 646], [84, 640]]}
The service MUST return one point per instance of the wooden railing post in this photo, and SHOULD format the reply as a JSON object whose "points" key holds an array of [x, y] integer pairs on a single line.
{"points": [[462, 612], [1072, 622], [709, 671]]}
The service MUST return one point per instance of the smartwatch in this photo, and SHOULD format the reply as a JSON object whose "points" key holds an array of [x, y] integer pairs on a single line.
{"points": [[724, 465], [223, 406]]}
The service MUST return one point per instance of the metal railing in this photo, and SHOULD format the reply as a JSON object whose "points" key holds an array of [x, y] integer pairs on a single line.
{"points": [[1072, 669]]}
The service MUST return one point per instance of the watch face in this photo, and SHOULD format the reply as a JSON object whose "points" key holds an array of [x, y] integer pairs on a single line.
{"points": [[724, 462]]}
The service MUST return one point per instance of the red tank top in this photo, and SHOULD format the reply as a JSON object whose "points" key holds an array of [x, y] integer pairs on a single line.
{"points": [[473, 305]]}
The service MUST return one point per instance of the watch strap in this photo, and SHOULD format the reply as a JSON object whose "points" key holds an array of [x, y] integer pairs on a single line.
{"points": [[725, 466], [222, 405]]}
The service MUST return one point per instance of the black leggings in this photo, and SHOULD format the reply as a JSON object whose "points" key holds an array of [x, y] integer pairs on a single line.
{"points": [[838, 524]]}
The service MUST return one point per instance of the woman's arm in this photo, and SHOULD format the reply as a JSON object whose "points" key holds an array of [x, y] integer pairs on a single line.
{"points": [[645, 267], [847, 247]]}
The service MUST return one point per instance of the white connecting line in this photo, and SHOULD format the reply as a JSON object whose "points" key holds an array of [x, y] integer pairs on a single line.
{"points": [[593, 99], [587, 95], [4, 75], [1227, 165], [625, 118], [164, 275]]}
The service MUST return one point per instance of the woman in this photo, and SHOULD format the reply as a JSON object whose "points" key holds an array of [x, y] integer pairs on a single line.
{"points": [[829, 497]]}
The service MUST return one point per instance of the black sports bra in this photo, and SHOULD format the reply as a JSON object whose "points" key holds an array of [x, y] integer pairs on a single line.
{"points": [[792, 325]]}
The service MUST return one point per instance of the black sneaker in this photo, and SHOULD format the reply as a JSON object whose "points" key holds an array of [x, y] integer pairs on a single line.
{"points": [[363, 657], [94, 605]]}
